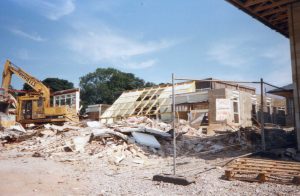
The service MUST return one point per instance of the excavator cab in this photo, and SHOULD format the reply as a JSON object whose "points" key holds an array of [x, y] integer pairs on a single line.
{"points": [[27, 110], [30, 108]]}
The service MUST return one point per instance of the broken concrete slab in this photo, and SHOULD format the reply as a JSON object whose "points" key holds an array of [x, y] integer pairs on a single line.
{"points": [[94, 124], [146, 139], [65, 127], [130, 129], [104, 132], [18, 127], [101, 133], [146, 129], [157, 132], [77, 144], [80, 142]]}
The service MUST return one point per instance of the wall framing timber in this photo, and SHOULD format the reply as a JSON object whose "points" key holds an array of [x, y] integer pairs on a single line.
{"points": [[153, 101]]}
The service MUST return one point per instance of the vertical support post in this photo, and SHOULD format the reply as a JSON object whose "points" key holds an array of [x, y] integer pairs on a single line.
{"points": [[173, 124], [263, 143], [239, 109], [294, 35]]}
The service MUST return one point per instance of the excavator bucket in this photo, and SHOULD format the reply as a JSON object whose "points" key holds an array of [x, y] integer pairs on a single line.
{"points": [[6, 120]]}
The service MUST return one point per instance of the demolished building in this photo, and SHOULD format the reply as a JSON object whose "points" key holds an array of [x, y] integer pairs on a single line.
{"points": [[95, 111], [287, 92], [209, 104]]}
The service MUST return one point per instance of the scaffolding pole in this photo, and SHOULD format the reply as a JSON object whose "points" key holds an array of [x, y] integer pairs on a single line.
{"points": [[173, 124], [263, 143]]}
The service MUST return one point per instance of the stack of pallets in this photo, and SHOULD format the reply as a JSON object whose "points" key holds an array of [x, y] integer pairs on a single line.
{"points": [[262, 170]]}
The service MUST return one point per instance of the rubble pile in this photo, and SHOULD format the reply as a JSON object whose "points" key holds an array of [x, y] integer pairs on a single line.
{"points": [[128, 140]]}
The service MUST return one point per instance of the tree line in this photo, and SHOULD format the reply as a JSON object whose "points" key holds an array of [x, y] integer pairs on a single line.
{"points": [[103, 86]]}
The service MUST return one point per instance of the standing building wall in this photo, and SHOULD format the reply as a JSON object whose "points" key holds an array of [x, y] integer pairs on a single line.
{"points": [[240, 108]]}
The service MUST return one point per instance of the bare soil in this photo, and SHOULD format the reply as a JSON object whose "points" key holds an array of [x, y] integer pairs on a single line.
{"points": [[22, 174]]}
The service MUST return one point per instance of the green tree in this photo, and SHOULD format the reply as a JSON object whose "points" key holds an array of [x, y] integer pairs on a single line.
{"points": [[105, 85], [55, 84]]}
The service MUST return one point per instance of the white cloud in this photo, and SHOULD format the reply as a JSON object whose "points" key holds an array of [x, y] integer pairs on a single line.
{"points": [[52, 9], [280, 76], [140, 65], [105, 45], [23, 54], [34, 36], [278, 54], [104, 5], [230, 53], [280, 61], [250, 54]]}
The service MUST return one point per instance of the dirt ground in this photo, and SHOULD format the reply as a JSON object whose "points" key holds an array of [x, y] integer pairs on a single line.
{"points": [[22, 174]]}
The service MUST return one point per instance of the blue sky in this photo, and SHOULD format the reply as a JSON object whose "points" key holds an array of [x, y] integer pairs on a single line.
{"points": [[150, 38]]}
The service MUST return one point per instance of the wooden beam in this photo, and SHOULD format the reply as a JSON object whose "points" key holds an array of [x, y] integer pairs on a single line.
{"points": [[278, 17], [250, 3], [273, 5], [141, 101], [150, 99], [274, 11]]}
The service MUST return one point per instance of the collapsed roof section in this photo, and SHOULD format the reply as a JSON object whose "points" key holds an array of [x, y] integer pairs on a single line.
{"points": [[151, 101]]}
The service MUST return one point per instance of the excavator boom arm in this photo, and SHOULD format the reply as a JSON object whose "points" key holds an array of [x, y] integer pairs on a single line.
{"points": [[38, 86]]}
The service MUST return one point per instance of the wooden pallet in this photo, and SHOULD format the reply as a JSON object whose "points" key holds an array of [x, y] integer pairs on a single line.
{"points": [[261, 170]]}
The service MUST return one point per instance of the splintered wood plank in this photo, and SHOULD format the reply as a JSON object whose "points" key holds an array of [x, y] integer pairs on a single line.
{"points": [[271, 171], [285, 167], [280, 175], [267, 160]]}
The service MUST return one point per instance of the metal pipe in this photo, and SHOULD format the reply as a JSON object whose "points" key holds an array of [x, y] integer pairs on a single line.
{"points": [[262, 114], [283, 89], [228, 81], [173, 124]]}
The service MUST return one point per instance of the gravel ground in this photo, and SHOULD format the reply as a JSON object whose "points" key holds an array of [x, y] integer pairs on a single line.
{"points": [[22, 174]]}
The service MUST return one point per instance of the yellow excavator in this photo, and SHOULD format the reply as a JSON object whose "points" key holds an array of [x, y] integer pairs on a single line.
{"points": [[35, 107]]}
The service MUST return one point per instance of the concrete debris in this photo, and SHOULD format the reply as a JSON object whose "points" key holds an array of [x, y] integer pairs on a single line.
{"points": [[138, 161], [108, 132], [80, 142], [94, 124], [18, 127], [65, 127], [291, 152], [146, 139], [128, 141], [145, 129], [12, 134], [48, 132], [36, 154], [198, 147]]}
